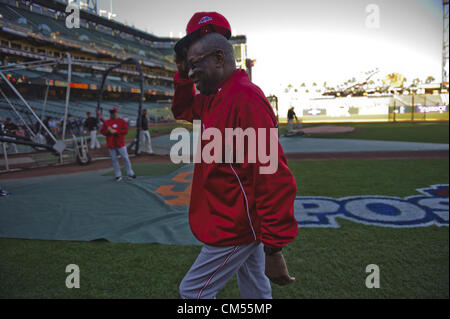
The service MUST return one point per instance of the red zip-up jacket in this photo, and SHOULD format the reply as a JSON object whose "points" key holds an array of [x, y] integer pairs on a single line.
{"points": [[232, 203], [115, 140]]}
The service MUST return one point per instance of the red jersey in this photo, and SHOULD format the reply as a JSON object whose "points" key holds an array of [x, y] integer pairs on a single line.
{"points": [[232, 203], [115, 140]]}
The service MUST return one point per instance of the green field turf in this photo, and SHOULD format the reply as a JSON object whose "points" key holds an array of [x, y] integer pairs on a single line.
{"points": [[328, 263], [154, 130], [425, 132], [158, 129], [340, 178], [434, 116]]}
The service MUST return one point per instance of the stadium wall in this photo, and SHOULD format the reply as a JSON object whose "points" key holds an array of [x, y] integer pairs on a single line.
{"points": [[421, 107]]}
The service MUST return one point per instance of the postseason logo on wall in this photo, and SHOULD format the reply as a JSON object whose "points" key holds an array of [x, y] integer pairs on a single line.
{"points": [[430, 208]]}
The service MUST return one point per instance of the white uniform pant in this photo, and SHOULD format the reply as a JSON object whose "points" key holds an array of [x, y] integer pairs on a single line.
{"points": [[145, 142], [215, 266], [114, 156], [94, 141]]}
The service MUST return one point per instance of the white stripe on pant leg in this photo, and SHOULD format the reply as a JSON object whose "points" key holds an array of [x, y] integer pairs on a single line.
{"points": [[211, 270], [214, 273]]}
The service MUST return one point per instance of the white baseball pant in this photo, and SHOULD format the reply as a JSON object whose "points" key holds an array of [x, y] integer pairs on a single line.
{"points": [[123, 152], [215, 266]]}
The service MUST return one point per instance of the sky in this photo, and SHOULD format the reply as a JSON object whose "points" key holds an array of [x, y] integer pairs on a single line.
{"points": [[297, 41]]}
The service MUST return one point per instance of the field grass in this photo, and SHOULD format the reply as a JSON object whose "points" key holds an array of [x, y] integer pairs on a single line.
{"points": [[159, 129], [340, 178], [424, 132], [328, 263], [408, 116]]}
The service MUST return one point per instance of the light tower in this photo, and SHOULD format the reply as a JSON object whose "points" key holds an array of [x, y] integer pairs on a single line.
{"points": [[445, 44]]}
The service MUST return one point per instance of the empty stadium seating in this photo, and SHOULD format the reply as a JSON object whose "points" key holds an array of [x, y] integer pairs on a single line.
{"points": [[42, 25], [94, 34]]}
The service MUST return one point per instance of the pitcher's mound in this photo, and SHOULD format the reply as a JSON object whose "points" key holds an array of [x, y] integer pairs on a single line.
{"points": [[328, 129]]}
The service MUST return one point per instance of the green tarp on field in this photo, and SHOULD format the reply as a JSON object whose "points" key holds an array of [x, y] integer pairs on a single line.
{"points": [[90, 206]]}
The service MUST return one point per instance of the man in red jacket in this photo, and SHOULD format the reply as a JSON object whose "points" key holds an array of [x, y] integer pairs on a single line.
{"points": [[115, 130], [243, 217]]}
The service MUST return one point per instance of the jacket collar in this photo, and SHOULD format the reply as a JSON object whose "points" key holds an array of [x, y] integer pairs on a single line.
{"points": [[225, 84]]}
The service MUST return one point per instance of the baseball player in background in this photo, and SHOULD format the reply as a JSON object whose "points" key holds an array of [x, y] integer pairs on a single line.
{"points": [[91, 124], [144, 138], [244, 218], [115, 130]]}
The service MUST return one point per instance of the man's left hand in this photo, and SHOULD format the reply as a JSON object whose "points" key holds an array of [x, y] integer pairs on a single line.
{"points": [[276, 270]]}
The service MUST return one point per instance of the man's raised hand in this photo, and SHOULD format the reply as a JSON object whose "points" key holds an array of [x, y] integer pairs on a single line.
{"points": [[181, 63]]}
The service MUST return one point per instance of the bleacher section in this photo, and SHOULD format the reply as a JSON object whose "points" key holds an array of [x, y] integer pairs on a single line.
{"points": [[90, 37], [32, 33], [95, 36], [78, 109], [61, 75]]}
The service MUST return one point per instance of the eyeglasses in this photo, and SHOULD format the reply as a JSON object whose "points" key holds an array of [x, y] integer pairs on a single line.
{"points": [[194, 62]]}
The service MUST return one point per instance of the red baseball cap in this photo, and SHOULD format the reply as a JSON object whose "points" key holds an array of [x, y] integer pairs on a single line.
{"points": [[203, 23], [113, 110]]}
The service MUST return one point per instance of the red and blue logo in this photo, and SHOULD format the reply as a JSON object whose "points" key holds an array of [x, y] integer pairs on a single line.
{"points": [[430, 208], [205, 19]]}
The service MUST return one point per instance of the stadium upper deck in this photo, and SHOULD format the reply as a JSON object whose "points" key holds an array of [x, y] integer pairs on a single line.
{"points": [[96, 35], [32, 32]]}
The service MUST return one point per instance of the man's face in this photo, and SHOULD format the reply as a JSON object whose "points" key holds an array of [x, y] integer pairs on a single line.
{"points": [[203, 68], [113, 115]]}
